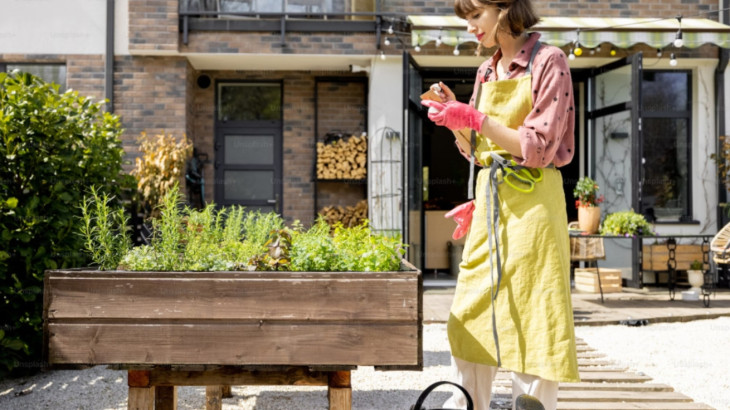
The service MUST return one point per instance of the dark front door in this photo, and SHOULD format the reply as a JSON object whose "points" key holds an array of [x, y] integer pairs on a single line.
{"points": [[248, 145]]}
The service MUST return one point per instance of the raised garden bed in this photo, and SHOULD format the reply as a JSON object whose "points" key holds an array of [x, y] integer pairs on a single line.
{"points": [[209, 327]]}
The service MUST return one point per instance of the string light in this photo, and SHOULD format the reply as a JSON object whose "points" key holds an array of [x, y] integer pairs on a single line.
{"points": [[382, 55], [438, 40], [390, 29], [456, 48], [679, 41], [387, 41], [571, 56], [659, 52], [672, 60], [417, 48], [577, 51]]}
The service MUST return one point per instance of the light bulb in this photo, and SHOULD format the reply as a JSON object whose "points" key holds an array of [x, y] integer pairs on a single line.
{"points": [[659, 52], [390, 29], [387, 41], [578, 51], [672, 60], [613, 52], [598, 49], [571, 56], [438, 41], [456, 50], [382, 55], [679, 41], [417, 48]]}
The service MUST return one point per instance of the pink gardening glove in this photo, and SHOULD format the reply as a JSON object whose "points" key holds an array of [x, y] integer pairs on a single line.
{"points": [[462, 216], [454, 115]]}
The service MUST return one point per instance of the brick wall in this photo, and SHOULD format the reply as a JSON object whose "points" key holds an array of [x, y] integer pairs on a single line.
{"points": [[153, 25], [298, 135], [150, 95], [270, 43]]}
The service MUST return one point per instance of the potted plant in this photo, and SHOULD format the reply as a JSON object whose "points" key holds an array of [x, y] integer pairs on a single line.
{"points": [[587, 200], [626, 223], [696, 278]]}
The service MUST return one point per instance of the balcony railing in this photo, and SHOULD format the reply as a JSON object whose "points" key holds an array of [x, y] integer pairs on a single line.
{"points": [[237, 8], [354, 16]]}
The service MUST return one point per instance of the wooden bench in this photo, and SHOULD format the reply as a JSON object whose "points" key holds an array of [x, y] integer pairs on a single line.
{"points": [[233, 328]]}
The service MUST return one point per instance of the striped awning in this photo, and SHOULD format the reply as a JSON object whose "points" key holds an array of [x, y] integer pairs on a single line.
{"points": [[589, 31]]}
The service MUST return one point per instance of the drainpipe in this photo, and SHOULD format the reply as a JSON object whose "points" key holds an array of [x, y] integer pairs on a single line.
{"points": [[109, 57], [724, 56]]}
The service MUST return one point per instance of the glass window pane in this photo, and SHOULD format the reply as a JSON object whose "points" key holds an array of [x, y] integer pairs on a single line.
{"points": [[50, 73], [612, 150], [665, 91], [249, 149], [246, 185], [613, 87], [249, 102], [666, 183]]}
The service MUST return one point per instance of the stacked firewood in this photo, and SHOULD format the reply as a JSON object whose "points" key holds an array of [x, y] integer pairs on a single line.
{"points": [[343, 159], [349, 216]]}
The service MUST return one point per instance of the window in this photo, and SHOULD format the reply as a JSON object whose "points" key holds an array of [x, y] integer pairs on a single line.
{"points": [[51, 73], [249, 102], [666, 115]]}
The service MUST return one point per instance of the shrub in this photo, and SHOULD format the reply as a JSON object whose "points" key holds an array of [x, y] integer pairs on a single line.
{"points": [[52, 146], [160, 167], [627, 223]]}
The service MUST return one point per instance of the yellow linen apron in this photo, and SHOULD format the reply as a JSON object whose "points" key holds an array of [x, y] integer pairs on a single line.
{"points": [[523, 316]]}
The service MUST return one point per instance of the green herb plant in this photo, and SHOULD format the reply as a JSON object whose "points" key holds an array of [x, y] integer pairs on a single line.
{"points": [[104, 230], [627, 223], [696, 265]]}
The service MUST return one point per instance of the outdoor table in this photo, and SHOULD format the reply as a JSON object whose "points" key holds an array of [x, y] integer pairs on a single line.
{"points": [[671, 243]]}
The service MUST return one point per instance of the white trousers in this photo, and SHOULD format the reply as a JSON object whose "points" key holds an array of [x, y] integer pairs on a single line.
{"points": [[477, 380]]}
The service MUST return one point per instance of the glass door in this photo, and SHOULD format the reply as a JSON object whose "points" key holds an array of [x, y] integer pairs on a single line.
{"points": [[413, 234], [248, 146], [615, 144]]}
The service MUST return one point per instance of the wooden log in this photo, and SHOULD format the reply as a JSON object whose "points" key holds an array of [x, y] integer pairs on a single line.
{"points": [[165, 398], [213, 397], [339, 391]]}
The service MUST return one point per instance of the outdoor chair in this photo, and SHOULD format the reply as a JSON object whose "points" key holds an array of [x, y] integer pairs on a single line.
{"points": [[720, 246]]}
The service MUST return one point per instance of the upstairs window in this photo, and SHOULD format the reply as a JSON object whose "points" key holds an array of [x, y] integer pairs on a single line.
{"points": [[50, 73]]}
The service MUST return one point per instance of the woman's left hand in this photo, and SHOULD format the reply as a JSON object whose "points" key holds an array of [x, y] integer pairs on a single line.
{"points": [[454, 115]]}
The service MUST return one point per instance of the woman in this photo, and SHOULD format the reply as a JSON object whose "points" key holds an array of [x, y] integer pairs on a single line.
{"points": [[512, 306]]}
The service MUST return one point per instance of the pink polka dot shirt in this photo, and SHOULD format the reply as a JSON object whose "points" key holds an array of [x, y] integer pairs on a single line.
{"points": [[546, 137]]}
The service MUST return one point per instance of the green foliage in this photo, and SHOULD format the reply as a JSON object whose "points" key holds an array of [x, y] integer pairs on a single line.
{"points": [[187, 239], [627, 223], [104, 230], [52, 146], [348, 249], [696, 265], [276, 256], [586, 193]]}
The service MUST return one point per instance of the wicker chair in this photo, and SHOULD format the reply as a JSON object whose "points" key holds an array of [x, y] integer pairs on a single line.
{"points": [[720, 246]]}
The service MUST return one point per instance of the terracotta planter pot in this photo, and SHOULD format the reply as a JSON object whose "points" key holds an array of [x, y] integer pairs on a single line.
{"points": [[589, 218]]}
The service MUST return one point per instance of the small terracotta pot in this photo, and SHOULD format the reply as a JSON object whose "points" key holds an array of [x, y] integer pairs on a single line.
{"points": [[589, 218]]}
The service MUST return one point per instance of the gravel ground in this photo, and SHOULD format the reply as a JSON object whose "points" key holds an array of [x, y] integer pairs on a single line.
{"points": [[692, 357], [694, 361]]}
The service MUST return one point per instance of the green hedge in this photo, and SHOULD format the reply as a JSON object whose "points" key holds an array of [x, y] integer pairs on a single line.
{"points": [[53, 147]]}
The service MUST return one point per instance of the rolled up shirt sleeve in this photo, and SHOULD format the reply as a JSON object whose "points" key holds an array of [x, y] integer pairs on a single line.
{"points": [[547, 134]]}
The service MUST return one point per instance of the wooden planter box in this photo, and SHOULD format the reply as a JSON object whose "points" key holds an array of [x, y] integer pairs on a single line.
{"points": [[586, 280], [234, 320]]}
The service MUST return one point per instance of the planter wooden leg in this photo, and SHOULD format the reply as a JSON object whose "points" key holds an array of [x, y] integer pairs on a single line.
{"points": [[213, 397], [339, 391], [141, 394], [165, 397], [227, 393]]}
